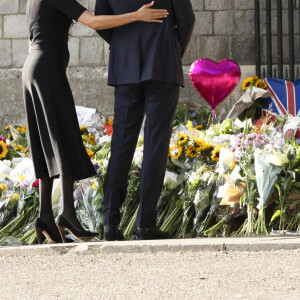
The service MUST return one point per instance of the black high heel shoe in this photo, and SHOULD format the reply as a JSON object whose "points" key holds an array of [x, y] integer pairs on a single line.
{"points": [[83, 235], [43, 231]]}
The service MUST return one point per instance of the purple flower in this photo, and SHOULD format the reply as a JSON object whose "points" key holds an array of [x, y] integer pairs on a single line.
{"points": [[99, 174], [96, 167], [298, 141], [102, 200], [257, 141]]}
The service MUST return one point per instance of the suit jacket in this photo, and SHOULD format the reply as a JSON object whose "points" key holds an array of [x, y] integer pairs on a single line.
{"points": [[147, 51]]}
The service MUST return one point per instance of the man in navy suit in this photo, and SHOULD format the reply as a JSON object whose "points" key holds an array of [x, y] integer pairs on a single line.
{"points": [[145, 67]]}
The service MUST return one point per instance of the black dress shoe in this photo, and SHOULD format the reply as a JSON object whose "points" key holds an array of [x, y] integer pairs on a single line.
{"points": [[112, 233], [81, 235], [152, 233]]}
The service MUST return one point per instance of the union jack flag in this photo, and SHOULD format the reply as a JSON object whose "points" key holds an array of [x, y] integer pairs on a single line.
{"points": [[285, 98]]}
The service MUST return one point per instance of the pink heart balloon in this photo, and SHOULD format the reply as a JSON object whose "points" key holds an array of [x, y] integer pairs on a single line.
{"points": [[214, 81]]}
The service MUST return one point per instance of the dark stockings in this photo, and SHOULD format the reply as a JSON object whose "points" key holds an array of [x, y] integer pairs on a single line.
{"points": [[46, 213], [68, 209]]}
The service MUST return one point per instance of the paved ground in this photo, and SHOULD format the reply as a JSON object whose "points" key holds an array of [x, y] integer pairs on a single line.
{"points": [[164, 275]]}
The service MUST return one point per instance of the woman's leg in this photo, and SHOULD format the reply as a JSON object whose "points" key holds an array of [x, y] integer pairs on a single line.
{"points": [[68, 208], [46, 213]]}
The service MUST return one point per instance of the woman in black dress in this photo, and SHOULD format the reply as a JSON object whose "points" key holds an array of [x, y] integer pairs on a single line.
{"points": [[56, 145]]}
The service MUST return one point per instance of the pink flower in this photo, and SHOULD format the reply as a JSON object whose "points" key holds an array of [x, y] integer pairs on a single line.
{"points": [[36, 183], [290, 134], [3, 139]]}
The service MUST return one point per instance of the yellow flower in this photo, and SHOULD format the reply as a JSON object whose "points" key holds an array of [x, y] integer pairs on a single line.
{"points": [[93, 186], [216, 153], [182, 139], [199, 127], [110, 121], [91, 140], [247, 83], [259, 84], [20, 148], [18, 129], [232, 165], [21, 177], [3, 187], [201, 144], [7, 127], [3, 149], [90, 153], [191, 151], [24, 129], [15, 196], [189, 124], [254, 77], [175, 151], [82, 128]]}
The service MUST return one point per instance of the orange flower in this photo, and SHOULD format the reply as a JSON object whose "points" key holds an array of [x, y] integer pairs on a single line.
{"points": [[108, 129]]}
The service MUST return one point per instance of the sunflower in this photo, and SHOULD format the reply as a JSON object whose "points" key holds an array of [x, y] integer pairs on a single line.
{"points": [[247, 83], [3, 187], [191, 151], [200, 144], [90, 153], [182, 139], [3, 150], [175, 151], [83, 128], [199, 127], [254, 77], [259, 84], [216, 153], [110, 121], [91, 140], [23, 129]]}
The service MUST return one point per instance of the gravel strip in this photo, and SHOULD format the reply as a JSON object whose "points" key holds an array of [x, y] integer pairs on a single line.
{"points": [[182, 275]]}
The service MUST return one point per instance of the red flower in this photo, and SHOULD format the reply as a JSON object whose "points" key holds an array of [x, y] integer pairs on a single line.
{"points": [[108, 129], [36, 183]]}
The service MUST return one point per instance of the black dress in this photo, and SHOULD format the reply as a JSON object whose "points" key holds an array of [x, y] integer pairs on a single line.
{"points": [[55, 140]]}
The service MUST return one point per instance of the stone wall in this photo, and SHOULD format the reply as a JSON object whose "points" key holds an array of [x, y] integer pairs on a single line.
{"points": [[224, 29]]}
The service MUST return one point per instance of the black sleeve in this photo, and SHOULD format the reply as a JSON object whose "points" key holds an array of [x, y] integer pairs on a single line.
{"points": [[103, 8], [70, 8], [185, 21]]}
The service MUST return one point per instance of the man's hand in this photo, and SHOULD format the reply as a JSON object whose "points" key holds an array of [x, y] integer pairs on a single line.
{"points": [[146, 14]]}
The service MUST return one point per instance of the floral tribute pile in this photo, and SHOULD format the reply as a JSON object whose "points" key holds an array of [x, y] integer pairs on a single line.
{"points": [[231, 178]]}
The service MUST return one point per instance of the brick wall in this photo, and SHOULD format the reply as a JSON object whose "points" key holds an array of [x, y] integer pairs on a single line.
{"points": [[224, 28]]}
